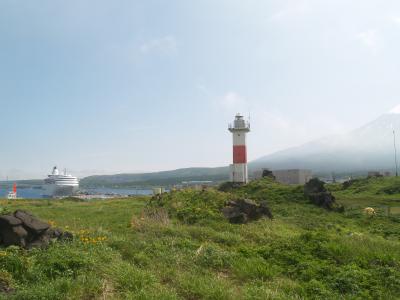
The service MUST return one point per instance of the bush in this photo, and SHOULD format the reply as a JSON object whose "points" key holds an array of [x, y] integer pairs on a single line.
{"points": [[190, 206], [210, 256]]}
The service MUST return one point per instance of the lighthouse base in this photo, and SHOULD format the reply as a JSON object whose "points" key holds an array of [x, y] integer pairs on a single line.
{"points": [[238, 173]]}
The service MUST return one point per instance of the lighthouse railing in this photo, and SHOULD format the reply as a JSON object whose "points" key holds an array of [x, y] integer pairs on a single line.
{"points": [[246, 125]]}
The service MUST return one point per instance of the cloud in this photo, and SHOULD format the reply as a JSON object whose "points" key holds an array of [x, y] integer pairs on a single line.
{"points": [[396, 20], [233, 102], [395, 110], [203, 89], [369, 39], [291, 10], [162, 45]]}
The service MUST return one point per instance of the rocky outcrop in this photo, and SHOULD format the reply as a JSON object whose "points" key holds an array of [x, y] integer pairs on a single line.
{"points": [[268, 173], [25, 230], [229, 186], [317, 193], [245, 210]]}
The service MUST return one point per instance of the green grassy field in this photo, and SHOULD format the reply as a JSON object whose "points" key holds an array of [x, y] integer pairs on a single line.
{"points": [[304, 253]]}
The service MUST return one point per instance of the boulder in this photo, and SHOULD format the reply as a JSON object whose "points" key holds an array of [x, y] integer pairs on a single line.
{"points": [[30, 222], [234, 215], [245, 210], [268, 173], [325, 200], [314, 186], [13, 235], [9, 220], [316, 192], [25, 230]]}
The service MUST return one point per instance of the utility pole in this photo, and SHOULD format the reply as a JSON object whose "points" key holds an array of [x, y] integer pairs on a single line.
{"points": [[395, 152]]}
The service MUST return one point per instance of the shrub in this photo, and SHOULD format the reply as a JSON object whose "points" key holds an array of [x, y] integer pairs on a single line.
{"points": [[150, 215], [190, 206], [210, 256]]}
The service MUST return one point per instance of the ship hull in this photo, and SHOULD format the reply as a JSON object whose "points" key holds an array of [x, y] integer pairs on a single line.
{"points": [[53, 190]]}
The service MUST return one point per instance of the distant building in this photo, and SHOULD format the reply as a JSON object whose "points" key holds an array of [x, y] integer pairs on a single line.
{"points": [[379, 174], [294, 176], [258, 174], [158, 190], [197, 184]]}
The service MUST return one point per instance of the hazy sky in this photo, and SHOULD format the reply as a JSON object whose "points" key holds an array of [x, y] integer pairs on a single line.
{"points": [[121, 86]]}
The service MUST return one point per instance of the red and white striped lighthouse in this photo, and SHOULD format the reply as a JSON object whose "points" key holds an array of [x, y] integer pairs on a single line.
{"points": [[238, 170]]}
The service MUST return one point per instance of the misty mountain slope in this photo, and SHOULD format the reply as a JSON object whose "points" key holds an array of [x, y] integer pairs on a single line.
{"points": [[369, 147], [366, 148], [161, 178]]}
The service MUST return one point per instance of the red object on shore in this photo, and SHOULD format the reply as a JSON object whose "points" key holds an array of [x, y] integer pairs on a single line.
{"points": [[15, 188]]}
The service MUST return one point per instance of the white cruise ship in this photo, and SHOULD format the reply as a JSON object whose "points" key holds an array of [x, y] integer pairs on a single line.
{"points": [[57, 184]]}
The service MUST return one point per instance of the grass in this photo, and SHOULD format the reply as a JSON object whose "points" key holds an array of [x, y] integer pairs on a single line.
{"points": [[121, 253]]}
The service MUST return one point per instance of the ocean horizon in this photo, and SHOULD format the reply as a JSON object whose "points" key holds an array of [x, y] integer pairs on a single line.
{"points": [[37, 193]]}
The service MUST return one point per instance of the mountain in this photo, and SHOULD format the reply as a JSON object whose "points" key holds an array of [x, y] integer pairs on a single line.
{"points": [[157, 178], [369, 147]]}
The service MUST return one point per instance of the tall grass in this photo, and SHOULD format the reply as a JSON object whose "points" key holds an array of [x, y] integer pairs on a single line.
{"points": [[180, 247]]}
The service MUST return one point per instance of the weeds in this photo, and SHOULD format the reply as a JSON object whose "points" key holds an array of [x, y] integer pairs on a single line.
{"points": [[179, 246]]}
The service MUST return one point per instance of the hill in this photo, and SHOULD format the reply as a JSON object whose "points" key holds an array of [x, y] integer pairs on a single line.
{"points": [[22, 183], [367, 148], [125, 250], [157, 178]]}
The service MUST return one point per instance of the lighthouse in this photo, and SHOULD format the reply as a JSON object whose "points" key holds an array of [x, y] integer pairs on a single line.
{"points": [[238, 170]]}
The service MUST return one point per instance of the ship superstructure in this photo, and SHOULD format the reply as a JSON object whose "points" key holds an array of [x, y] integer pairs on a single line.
{"points": [[57, 184]]}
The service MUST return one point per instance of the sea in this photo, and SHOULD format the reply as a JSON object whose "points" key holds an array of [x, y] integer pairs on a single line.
{"points": [[37, 193]]}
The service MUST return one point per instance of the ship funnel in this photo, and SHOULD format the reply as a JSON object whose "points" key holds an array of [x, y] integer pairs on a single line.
{"points": [[55, 171]]}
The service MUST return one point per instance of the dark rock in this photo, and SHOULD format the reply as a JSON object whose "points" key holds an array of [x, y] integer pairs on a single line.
{"points": [[317, 193], [325, 200], [41, 241], [268, 173], [229, 186], [9, 220], [314, 186], [13, 235], [30, 222], [245, 210], [264, 209], [11, 231], [55, 233], [25, 230], [249, 207], [66, 236], [234, 215]]}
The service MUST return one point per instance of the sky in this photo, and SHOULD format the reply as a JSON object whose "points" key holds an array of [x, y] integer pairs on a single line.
{"points": [[103, 87]]}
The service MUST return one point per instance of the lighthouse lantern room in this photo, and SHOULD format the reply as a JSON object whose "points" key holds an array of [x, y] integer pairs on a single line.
{"points": [[238, 170]]}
